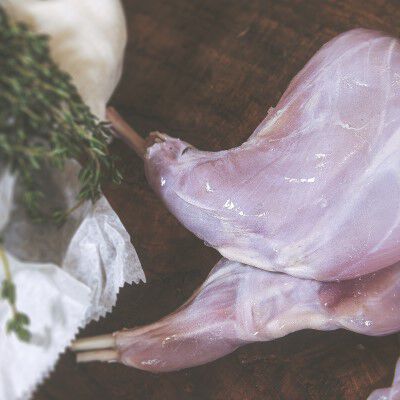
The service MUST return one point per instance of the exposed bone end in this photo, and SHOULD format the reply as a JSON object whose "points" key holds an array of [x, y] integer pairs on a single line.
{"points": [[98, 355], [125, 132], [94, 343], [96, 348]]}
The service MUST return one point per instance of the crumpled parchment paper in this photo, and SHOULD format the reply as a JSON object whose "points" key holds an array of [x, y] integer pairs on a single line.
{"points": [[65, 276], [56, 304]]}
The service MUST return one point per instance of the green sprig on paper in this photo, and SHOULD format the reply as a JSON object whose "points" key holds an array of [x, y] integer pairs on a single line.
{"points": [[19, 322], [44, 123]]}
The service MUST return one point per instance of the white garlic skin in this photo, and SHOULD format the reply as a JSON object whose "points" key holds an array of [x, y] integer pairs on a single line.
{"points": [[87, 40]]}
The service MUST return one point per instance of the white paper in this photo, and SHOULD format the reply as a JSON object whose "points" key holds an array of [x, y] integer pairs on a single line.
{"points": [[80, 266], [101, 255], [56, 304], [92, 245]]}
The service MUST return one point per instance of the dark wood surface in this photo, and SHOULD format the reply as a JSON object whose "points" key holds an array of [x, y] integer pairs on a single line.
{"points": [[207, 71]]}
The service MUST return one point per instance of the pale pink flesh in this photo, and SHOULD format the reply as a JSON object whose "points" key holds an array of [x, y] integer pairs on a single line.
{"points": [[239, 304], [313, 193], [315, 190]]}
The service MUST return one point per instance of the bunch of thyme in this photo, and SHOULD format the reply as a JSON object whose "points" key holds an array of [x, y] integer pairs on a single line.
{"points": [[43, 123]]}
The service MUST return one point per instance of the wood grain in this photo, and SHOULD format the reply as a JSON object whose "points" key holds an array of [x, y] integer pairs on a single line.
{"points": [[207, 71]]}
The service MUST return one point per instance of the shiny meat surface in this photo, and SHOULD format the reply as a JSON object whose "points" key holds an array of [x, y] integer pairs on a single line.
{"points": [[315, 190], [239, 304]]}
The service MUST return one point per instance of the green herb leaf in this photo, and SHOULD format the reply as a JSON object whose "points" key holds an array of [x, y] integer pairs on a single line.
{"points": [[8, 291]]}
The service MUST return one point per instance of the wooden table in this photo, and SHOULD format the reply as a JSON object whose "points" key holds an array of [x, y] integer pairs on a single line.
{"points": [[207, 71]]}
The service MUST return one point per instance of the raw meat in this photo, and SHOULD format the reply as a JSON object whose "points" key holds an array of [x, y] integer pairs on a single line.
{"points": [[315, 190], [239, 304], [313, 193]]}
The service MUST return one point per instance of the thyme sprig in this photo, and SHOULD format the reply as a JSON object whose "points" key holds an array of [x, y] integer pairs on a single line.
{"points": [[19, 321], [44, 123]]}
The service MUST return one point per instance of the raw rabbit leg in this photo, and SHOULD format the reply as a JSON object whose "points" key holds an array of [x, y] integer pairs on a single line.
{"points": [[239, 304], [315, 190]]}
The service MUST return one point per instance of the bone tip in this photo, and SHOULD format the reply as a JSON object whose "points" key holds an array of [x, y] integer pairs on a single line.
{"points": [[110, 111], [94, 343], [99, 356]]}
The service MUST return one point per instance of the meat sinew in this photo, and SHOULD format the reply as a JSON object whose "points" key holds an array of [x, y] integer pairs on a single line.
{"points": [[315, 190], [239, 304]]}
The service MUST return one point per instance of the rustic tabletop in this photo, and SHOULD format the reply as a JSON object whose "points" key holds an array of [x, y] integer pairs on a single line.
{"points": [[207, 71]]}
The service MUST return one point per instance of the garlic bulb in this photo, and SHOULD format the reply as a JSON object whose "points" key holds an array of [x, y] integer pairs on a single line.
{"points": [[87, 40]]}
